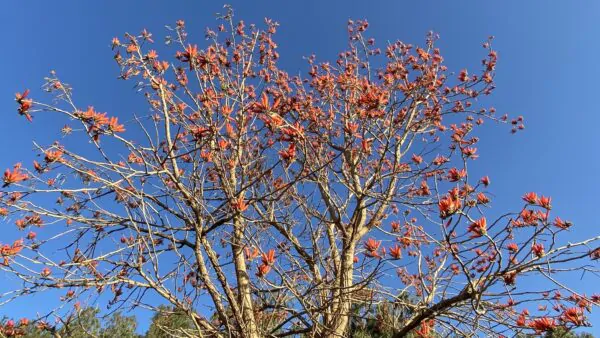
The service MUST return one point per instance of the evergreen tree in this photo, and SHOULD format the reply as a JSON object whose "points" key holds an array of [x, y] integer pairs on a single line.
{"points": [[120, 326], [168, 323]]}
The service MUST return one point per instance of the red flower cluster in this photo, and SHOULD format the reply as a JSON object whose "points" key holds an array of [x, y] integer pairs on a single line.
{"points": [[538, 249], [396, 252], [24, 104], [449, 204], [542, 324], [288, 155], [268, 259], [456, 175], [372, 246], [417, 159], [529, 217], [99, 123], [14, 176], [543, 201], [11, 250], [53, 156], [46, 272], [513, 247], [482, 198], [478, 228], [10, 329], [251, 254], [558, 222], [239, 204], [574, 316]]}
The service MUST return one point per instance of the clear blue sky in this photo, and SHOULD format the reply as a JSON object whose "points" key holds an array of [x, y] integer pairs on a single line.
{"points": [[548, 71]]}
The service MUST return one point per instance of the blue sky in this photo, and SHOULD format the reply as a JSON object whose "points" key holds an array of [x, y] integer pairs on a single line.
{"points": [[548, 72]]}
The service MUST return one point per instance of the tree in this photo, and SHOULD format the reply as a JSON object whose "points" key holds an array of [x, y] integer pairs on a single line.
{"points": [[561, 333], [118, 325], [285, 202], [381, 319], [170, 322], [82, 323]]}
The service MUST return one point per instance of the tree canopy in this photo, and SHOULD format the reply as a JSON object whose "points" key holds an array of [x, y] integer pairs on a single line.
{"points": [[258, 203]]}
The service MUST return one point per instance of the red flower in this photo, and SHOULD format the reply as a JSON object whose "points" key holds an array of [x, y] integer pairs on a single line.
{"points": [[264, 107], [542, 324], [439, 160], [53, 156], [448, 205], [95, 118], [482, 198], [133, 158], [352, 128], [538, 249], [38, 167], [251, 254], [396, 252], [529, 217], [263, 269], [463, 76], [268, 258], [190, 55], [372, 245], [470, 152], [544, 202], [424, 190], [240, 28], [485, 181], [558, 222], [595, 254], [147, 36], [510, 278], [512, 247], [223, 144], [14, 176], [46, 272], [11, 250], [425, 329], [530, 198], [573, 315], [366, 145], [478, 228], [239, 204], [417, 159], [24, 104], [288, 155], [114, 126], [115, 42], [455, 174], [521, 321], [152, 54]]}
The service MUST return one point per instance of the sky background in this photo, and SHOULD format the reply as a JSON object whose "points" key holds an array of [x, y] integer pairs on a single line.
{"points": [[548, 72]]}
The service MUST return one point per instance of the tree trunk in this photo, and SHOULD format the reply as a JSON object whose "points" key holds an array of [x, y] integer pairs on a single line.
{"points": [[244, 295], [340, 317]]}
